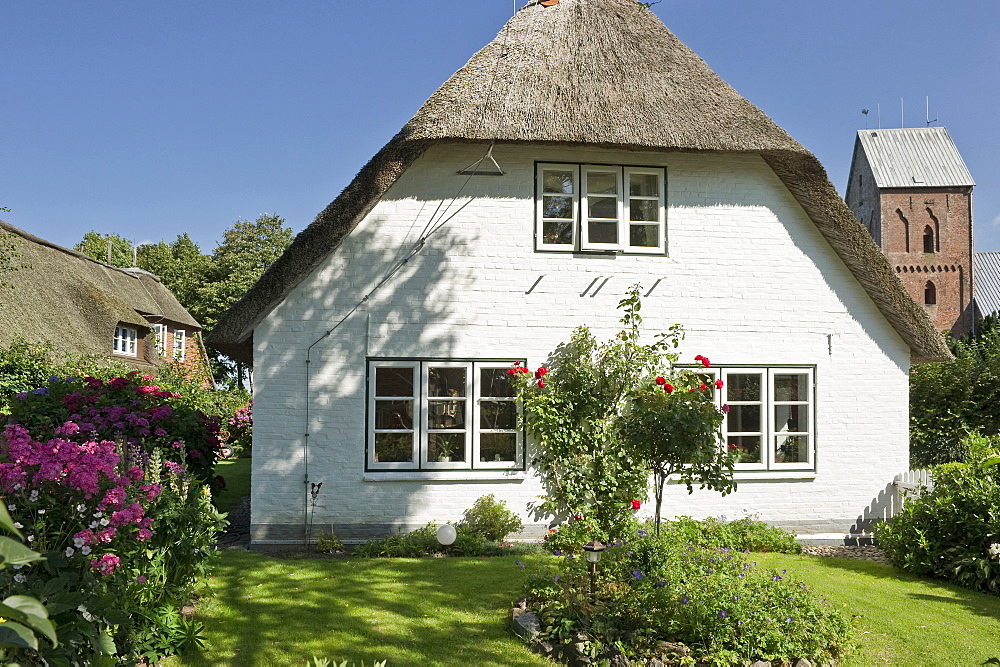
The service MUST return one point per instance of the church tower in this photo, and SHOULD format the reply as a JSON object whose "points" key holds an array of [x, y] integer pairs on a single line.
{"points": [[913, 193]]}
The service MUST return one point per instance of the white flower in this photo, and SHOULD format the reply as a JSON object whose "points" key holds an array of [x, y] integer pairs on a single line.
{"points": [[85, 551], [98, 515], [77, 542], [70, 551], [19, 578], [104, 522], [18, 524], [17, 567], [41, 511], [34, 495], [93, 524], [11, 507], [995, 550], [81, 508], [31, 538]]}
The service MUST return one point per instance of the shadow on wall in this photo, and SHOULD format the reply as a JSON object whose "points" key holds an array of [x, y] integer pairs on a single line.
{"points": [[412, 313], [881, 508]]}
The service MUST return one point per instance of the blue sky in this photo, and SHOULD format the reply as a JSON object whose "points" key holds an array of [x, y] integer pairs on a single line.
{"points": [[153, 119]]}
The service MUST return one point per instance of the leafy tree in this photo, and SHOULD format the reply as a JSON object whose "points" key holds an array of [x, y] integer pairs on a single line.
{"points": [[950, 400], [182, 268], [95, 245], [585, 410]]}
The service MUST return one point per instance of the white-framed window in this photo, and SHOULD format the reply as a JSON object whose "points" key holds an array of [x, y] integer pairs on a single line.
{"points": [[442, 415], [770, 423], [160, 335], [179, 344], [600, 207], [126, 341]]}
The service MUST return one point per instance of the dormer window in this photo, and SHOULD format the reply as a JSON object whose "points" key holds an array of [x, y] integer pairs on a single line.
{"points": [[126, 341], [600, 207]]}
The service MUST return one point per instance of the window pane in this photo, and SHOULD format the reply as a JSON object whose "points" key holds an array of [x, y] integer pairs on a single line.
{"points": [[647, 210], [393, 414], [791, 418], [791, 387], [743, 387], [602, 182], [441, 446], [495, 382], [603, 232], [791, 449], [498, 415], [557, 207], [445, 381], [498, 447], [644, 185], [393, 447], [394, 382], [644, 235], [743, 418], [746, 447], [557, 232], [557, 181], [602, 207], [446, 414]]}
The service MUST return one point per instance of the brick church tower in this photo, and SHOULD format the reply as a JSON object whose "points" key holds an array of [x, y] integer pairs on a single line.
{"points": [[913, 193]]}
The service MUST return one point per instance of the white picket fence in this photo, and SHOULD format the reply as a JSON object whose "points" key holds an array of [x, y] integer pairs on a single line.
{"points": [[909, 484]]}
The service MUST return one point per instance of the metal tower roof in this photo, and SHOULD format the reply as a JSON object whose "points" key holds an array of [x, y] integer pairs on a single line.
{"points": [[988, 282], [917, 157]]}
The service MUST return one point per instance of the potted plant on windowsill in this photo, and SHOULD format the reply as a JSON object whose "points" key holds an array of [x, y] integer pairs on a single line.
{"points": [[444, 451]]}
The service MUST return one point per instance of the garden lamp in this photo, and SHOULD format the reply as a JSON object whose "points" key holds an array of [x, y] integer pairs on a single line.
{"points": [[593, 550], [446, 534]]}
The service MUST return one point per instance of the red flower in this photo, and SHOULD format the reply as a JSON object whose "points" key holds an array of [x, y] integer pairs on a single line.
{"points": [[718, 384], [510, 372], [669, 388], [660, 379], [725, 408], [698, 358], [542, 370], [702, 387], [541, 384], [635, 504], [705, 362], [517, 363]]}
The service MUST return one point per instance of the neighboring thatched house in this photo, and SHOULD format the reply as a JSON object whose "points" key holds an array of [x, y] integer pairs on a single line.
{"points": [[379, 339], [84, 307]]}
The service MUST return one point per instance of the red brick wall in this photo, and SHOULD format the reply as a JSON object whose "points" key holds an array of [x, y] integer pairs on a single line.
{"points": [[906, 214]]}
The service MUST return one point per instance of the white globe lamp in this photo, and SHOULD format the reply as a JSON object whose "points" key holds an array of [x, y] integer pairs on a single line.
{"points": [[446, 534]]}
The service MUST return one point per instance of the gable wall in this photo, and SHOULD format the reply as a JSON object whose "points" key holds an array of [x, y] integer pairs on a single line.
{"points": [[748, 276]]}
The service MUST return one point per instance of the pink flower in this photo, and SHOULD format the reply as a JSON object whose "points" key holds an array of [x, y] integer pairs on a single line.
{"points": [[106, 565], [725, 408], [118, 383], [141, 579], [143, 534]]}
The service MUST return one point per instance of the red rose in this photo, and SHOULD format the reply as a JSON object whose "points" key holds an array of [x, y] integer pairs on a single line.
{"points": [[705, 362], [542, 370], [669, 388], [517, 363], [698, 358], [718, 384], [541, 384], [702, 387], [725, 408], [635, 504], [510, 372], [660, 379]]}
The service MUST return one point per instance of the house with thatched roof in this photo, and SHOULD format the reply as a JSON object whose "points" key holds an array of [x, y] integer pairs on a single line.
{"points": [[83, 307], [583, 150]]}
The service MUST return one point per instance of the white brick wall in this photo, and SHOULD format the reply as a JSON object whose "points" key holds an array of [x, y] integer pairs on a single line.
{"points": [[747, 275]]}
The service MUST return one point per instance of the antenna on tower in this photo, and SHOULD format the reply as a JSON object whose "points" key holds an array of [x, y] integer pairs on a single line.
{"points": [[928, 112], [865, 112]]}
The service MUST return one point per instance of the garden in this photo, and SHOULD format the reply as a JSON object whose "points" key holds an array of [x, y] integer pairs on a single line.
{"points": [[114, 497]]}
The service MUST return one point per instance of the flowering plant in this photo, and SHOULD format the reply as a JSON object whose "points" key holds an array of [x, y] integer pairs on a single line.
{"points": [[585, 408]]}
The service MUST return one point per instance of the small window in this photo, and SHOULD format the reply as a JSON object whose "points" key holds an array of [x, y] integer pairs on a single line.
{"points": [[126, 341], [179, 344], [160, 334], [442, 415], [601, 207], [930, 294], [928, 239]]}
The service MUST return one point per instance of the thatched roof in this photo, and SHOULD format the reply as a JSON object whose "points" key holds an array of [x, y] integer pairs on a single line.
{"points": [[66, 298], [604, 73]]}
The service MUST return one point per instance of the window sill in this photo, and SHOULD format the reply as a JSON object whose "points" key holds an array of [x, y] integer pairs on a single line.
{"points": [[446, 476], [765, 475]]}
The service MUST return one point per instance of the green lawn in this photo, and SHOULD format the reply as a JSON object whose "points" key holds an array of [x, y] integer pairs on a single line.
{"points": [[432, 611], [455, 611], [901, 619], [237, 474]]}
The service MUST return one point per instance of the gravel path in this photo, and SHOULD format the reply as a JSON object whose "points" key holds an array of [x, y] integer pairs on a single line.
{"points": [[857, 553]]}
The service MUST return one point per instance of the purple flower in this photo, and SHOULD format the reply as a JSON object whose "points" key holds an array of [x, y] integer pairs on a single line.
{"points": [[141, 580], [723, 613], [788, 620], [708, 571], [556, 552], [776, 577], [637, 574], [519, 563], [41, 391], [685, 599], [661, 584]]}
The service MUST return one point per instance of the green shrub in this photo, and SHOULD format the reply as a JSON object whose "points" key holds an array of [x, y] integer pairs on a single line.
{"points": [[491, 519], [953, 530], [659, 598], [423, 542], [22, 368], [746, 534], [329, 543]]}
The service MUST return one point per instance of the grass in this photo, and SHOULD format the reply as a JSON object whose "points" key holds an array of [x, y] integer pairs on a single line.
{"points": [[455, 611], [237, 474], [901, 619], [432, 611]]}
